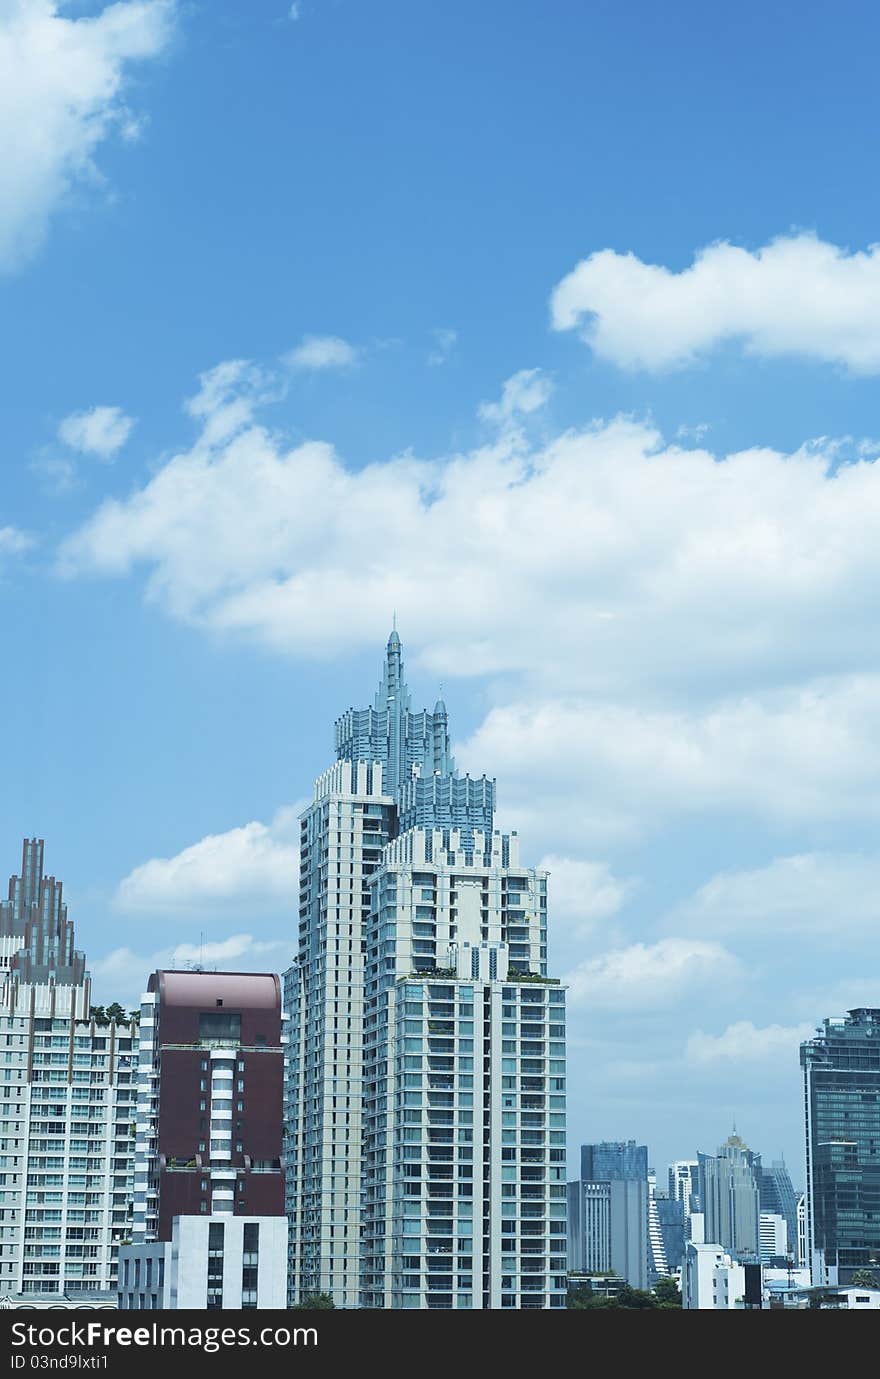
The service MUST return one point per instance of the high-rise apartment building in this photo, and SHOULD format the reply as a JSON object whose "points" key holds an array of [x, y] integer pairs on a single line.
{"points": [[210, 1229], [842, 1122], [425, 1089], [343, 834], [608, 1212], [463, 1177], [730, 1197], [66, 1107]]}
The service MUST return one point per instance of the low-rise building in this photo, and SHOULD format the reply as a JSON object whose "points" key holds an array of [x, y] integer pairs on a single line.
{"points": [[714, 1280]]}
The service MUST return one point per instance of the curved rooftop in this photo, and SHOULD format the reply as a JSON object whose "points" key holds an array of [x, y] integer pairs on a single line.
{"points": [[238, 990]]}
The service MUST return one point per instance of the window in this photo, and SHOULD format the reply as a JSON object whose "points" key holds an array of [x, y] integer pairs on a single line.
{"points": [[214, 1025]]}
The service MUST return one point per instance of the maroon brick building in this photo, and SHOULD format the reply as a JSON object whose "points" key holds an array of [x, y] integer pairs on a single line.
{"points": [[214, 1122]]}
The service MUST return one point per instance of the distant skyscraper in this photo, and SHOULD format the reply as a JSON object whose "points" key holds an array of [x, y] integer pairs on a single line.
{"points": [[684, 1184], [658, 1265], [778, 1196], [614, 1160], [415, 912], [803, 1252], [608, 1212], [842, 1122], [66, 1110], [730, 1198], [671, 1220], [772, 1236], [209, 1229]]}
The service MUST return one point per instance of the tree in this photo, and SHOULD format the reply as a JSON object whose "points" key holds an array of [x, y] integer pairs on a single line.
{"points": [[314, 1302], [864, 1278], [635, 1297], [103, 1016], [667, 1292], [581, 1297]]}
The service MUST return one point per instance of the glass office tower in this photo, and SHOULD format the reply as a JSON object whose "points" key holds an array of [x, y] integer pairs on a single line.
{"points": [[842, 1121]]}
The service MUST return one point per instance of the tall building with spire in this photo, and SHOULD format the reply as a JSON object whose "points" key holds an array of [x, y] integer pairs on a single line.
{"points": [[730, 1197], [66, 1108], [425, 1094], [36, 937], [418, 769]]}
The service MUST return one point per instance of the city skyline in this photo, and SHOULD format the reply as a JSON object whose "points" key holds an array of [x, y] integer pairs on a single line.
{"points": [[528, 324], [415, 749]]}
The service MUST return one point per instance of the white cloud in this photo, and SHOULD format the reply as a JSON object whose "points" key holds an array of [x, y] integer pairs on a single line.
{"points": [[820, 894], [690, 632], [295, 11], [123, 973], [523, 393], [101, 431], [322, 352], [57, 473], [651, 977], [744, 1043], [584, 896], [255, 865], [797, 295], [444, 343], [790, 756], [61, 95], [13, 541], [638, 563], [834, 998]]}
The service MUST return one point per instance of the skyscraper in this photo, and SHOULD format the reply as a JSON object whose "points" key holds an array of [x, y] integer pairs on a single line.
{"points": [[425, 1090], [730, 1197], [463, 1175], [684, 1184], [608, 1212], [778, 1197], [842, 1125], [210, 1229], [772, 1236], [342, 837], [66, 1107], [658, 1264], [671, 1220]]}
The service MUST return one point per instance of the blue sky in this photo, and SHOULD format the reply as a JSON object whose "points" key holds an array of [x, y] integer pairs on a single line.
{"points": [[294, 333]]}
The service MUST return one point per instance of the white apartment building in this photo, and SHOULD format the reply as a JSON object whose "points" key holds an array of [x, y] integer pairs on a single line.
{"points": [[342, 837], [245, 1263], [711, 1279], [419, 926], [463, 1177], [67, 1089], [772, 1235]]}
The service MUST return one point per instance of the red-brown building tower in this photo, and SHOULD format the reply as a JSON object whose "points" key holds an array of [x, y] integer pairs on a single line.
{"points": [[209, 1130]]}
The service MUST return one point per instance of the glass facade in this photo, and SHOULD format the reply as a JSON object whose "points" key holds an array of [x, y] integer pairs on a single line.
{"points": [[842, 1118]]}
